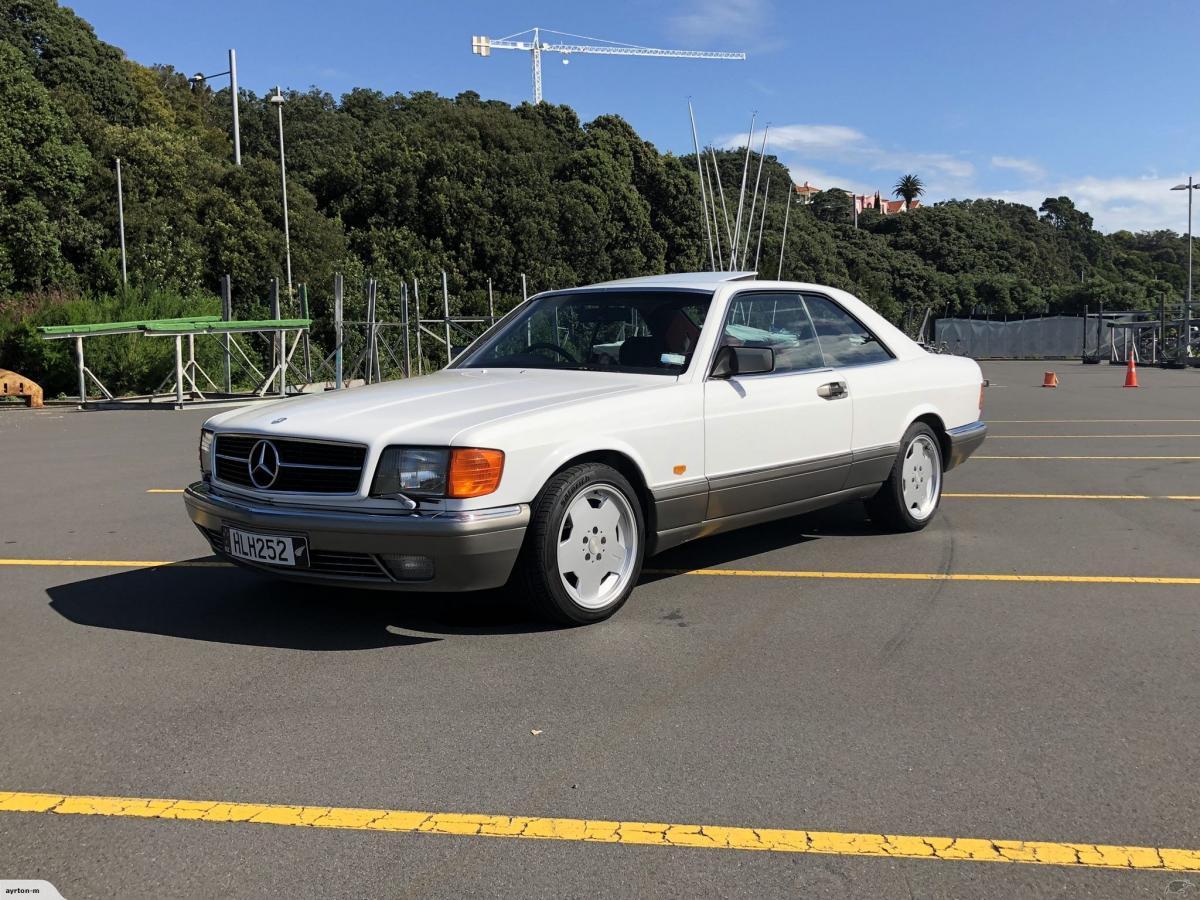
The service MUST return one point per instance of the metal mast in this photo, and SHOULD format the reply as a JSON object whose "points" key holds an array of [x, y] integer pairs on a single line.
{"points": [[483, 46]]}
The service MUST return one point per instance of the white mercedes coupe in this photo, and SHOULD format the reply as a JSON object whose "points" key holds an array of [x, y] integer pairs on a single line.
{"points": [[586, 430]]}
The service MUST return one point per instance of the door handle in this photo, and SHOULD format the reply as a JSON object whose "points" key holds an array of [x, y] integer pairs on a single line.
{"points": [[833, 390]]}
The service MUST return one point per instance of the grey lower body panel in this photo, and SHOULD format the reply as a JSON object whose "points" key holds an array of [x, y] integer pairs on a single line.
{"points": [[472, 551], [664, 540], [745, 492], [872, 466], [963, 442], [748, 498]]}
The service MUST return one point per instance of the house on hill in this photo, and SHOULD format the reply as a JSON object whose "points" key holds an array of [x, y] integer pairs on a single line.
{"points": [[805, 192]]}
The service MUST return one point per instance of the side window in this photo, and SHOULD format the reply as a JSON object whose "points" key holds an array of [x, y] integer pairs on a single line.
{"points": [[844, 341], [778, 321]]}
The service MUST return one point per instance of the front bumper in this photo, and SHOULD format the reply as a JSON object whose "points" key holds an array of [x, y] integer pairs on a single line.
{"points": [[472, 550], [964, 441]]}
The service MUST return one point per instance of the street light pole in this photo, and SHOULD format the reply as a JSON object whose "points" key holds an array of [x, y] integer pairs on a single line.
{"points": [[199, 78], [121, 223], [233, 96], [1186, 331], [287, 238]]}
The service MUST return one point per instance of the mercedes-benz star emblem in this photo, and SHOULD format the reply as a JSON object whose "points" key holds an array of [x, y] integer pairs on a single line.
{"points": [[263, 464]]}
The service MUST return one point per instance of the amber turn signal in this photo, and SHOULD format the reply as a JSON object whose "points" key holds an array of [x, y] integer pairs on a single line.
{"points": [[474, 472]]}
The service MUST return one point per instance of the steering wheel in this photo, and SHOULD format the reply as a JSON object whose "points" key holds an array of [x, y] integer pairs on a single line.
{"points": [[561, 351]]}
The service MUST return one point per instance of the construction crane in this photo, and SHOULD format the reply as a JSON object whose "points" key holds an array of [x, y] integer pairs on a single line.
{"points": [[483, 46]]}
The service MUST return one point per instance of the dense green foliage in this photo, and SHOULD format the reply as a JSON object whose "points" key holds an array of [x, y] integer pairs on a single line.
{"points": [[403, 186]]}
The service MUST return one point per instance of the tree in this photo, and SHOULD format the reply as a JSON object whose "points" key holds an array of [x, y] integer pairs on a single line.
{"points": [[910, 187], [833, 206], [403, 186]]}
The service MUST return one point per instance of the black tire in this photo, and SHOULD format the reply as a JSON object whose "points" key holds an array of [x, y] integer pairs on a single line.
{"points": [[887, 508], [537, 571]]}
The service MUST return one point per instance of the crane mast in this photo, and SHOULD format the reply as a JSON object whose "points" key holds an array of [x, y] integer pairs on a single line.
{"points": [[536, 46]]}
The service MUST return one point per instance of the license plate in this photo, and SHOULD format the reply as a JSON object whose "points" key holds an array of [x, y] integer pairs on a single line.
{"points": [[269, 549]]}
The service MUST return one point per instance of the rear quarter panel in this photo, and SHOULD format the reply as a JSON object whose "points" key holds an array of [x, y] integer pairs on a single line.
{"points": [[889, 396]]}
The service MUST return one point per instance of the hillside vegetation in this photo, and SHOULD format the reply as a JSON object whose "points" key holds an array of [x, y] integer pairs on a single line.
{"points": [[406, 185]]}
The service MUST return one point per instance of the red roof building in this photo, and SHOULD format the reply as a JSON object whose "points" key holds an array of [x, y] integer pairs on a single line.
{"points": [[861, 201]]}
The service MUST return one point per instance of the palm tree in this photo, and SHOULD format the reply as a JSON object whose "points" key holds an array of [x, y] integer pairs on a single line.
{"points": [[910, 187]]}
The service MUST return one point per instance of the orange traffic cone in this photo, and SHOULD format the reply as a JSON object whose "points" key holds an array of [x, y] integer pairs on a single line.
{"points": [[1131, 374], [1050, 380]]}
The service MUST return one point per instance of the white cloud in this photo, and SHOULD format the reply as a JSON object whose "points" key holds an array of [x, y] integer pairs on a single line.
{"points": [[800, 144], [706, 20], [819, 178], [1134, 204], [1026, 167], [821, 154], [813, 139], [942, 165]]}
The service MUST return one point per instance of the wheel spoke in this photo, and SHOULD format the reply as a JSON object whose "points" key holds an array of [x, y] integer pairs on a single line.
{"points": [[583, 514], [587, 582], [607, 516], [570, 554]]}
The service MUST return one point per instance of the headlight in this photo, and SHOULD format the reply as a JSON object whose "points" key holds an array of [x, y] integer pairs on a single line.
{"points": [[454, 472], [416, 471], [206, 439]]}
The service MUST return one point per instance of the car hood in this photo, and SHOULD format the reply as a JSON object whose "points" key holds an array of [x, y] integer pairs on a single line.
{"points": [[428, 409]]}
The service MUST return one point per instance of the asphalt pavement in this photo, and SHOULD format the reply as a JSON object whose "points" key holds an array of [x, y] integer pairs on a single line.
{"points": [[1024, 670]]}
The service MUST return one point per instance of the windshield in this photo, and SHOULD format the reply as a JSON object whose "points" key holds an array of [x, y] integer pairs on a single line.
{"points": [[653, 332]]}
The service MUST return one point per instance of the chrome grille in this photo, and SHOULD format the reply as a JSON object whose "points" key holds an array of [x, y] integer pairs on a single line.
{"points": [[335, 564], [309, 467]]}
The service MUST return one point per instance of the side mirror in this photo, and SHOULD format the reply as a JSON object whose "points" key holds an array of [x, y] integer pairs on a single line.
{"points": [[732, 361]]}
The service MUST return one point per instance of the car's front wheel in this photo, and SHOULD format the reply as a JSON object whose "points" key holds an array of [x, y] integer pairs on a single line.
{"points": [[910, 497], [585, 545]]}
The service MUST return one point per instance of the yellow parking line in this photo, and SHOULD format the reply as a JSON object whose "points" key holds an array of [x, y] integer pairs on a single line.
{"points": [[996, 496], [164, 490], [1087, 457], [710, 837], [117, 563], [749, 573], [931, 576], [994, 437]]}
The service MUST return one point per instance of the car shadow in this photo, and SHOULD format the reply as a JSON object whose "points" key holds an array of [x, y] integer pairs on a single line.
{"points": [[845, 520], [226, 604], [229, 605]]}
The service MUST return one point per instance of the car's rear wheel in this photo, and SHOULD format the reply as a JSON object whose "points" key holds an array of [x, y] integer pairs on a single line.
{"points": [[584, 550], [910, 497]]}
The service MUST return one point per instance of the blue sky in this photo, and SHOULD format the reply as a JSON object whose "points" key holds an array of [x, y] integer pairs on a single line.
{"points": [[1020, 99]]}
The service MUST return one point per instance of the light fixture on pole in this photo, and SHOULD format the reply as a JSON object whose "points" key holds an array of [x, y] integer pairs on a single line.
{"points": [[199, 78], [277, 99], [1186, 329]]}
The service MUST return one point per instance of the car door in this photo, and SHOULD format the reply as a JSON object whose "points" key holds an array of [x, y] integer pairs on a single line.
{"points": [[878, 386], [778, 437]]}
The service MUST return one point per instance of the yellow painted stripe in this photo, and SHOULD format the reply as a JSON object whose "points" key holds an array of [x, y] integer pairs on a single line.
{"points": [[931, 576], [164, 490], [117, 563], [749, 573], [997, 496], [1088, 457], [1055, 437], [710, 837]]}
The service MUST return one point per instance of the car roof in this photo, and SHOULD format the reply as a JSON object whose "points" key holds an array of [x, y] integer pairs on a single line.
{"points": [[693, 280]]}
